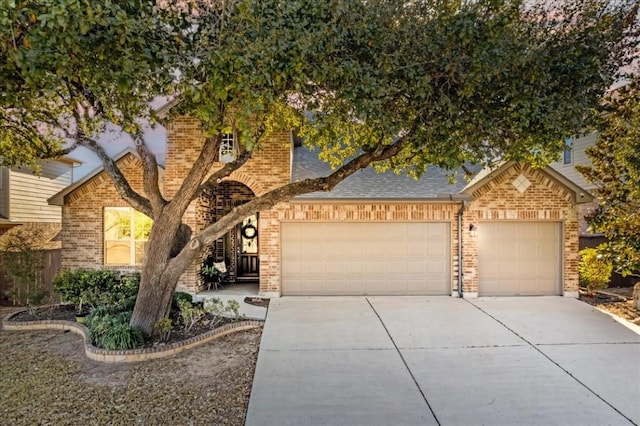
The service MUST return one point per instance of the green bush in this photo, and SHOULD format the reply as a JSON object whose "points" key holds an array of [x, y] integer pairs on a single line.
{"points": [[88, 288], [163, 328], [125, 289], [98, 314], [220, 310], [189, 314], [111, 330], [595, 270], [175, 309]]}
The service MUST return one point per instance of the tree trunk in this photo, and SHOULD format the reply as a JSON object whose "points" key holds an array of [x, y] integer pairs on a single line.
{"points": [[154, 300], [157, 282], [636, 296]]}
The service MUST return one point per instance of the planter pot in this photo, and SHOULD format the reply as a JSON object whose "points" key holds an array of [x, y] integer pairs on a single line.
{"points": [[81, 318]]}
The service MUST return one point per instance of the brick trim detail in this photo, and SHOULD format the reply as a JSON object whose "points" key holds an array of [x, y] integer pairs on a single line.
{"points": [[133, 355]]}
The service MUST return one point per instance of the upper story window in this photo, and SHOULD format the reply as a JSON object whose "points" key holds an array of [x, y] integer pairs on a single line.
{"points": [[567, 155], [126, 232], [228, 147]]}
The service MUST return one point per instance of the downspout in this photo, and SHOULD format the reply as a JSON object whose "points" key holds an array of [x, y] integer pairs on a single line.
{"points": [[460, 262]]}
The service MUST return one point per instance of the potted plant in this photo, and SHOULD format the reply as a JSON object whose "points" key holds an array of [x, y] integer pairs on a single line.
{"points": [[213, 273]]}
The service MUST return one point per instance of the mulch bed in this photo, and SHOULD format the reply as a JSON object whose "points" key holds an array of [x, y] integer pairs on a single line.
{"points": [[67, 312], [616, 302], [257, 301]]}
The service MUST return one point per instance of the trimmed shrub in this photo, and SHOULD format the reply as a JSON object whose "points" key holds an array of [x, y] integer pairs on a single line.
{"points": [[595, 270], [88, 288]]}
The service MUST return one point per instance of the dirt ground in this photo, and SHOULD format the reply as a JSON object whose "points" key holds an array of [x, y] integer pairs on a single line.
{"points": [[45, 378], [621, 308]]}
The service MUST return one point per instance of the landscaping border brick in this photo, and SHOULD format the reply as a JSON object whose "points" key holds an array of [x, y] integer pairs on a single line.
{"points": [[133, 355]]}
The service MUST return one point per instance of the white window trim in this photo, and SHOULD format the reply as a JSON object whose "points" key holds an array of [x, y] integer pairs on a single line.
{"points": [[132, 239], [228, 147]]}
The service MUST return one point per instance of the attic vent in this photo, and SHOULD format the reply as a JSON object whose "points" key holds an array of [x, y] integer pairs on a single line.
{"points": [[521, 183]]}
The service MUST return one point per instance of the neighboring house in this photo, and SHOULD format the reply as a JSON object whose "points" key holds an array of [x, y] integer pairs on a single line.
{"points": [[24, 193], [23, 202], [574, 155], [511, 231]]}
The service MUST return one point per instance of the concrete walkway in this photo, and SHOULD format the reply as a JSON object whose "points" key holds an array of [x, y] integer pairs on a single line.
{"points": [[447, 361]]}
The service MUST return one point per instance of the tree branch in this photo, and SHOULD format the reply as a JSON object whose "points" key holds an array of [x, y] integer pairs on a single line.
{"points": [[214, 180], [283, 193], [191, 183], [150, 173], [120, 182]]}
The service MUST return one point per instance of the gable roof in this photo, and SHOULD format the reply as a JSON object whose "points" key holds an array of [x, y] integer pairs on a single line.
{"points": [[370, 184], [580, 194], [58, 199], [434, 184]]}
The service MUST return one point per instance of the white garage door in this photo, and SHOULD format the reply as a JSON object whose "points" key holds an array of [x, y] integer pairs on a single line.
{"points": [[519, 258], [365, 258]]}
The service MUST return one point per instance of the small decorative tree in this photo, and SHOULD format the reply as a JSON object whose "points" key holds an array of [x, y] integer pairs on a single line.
{"points": [[595, 270], [22, 263]]}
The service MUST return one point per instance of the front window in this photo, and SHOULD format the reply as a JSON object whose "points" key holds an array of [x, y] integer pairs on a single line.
{"points": [[567, 155], [126, 232], [228, 148]]}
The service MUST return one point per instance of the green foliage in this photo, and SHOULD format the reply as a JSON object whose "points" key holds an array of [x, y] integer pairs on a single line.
{"points": [[209, 274], [175, 309], [190, 314], [88, 288], [467, 81], [163, 328], [616, 173], [220, 310], [457, 82], [54, 52], [110, 330], [595, 270], [124, 290], [22, 257]]}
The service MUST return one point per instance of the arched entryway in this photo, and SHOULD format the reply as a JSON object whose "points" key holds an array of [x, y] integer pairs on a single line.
{"points": [[239, 248]]}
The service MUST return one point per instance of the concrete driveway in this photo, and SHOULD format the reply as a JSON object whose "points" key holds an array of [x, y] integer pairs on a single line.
{"points": [[441, 360]]}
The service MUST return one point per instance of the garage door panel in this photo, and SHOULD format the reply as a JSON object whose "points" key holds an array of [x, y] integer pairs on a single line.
{"points": [[519, 258], [365, 258]]}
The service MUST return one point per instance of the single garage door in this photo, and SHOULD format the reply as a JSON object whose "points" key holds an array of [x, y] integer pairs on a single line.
{"points": [[519, 258], [365, 258]]}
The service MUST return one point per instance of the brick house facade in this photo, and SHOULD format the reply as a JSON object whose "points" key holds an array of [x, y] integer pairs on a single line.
{"points": [[524, 216]]}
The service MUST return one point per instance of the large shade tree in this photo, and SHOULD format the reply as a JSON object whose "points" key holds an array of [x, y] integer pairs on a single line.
{"points": [[615, 171], [400, 84]]}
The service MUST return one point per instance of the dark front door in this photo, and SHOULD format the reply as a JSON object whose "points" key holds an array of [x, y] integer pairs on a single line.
{"points": [[247, 248]]}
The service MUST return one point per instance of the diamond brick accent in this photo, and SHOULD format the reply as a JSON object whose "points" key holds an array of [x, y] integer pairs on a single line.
{"points": [[521, 183]]}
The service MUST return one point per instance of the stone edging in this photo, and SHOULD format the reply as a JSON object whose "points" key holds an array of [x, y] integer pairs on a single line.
{"points": [[132, 355]]}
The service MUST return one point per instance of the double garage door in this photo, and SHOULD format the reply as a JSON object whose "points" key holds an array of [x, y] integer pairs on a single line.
{"points": [[365, 258], [514, 258]]}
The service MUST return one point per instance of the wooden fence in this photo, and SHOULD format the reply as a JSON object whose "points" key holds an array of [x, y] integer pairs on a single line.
{"points": [[51, 261]]}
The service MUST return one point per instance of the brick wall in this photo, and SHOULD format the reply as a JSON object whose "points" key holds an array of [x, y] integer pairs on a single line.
{"points": [[82, 218], [358, 212], [269, 168], [544, 200]]}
